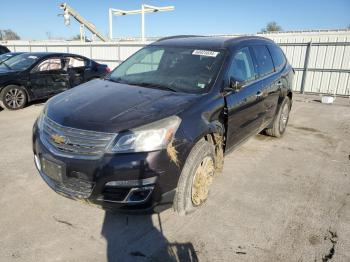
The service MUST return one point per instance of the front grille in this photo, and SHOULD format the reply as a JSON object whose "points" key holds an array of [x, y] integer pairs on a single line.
{"points": [[74, 141], [74, 187]]}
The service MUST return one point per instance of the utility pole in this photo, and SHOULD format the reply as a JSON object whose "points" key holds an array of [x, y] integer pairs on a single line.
{"points": [[144, 9]]}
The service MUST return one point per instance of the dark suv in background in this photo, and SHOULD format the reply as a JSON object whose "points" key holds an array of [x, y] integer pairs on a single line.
{"points": [[154, 132]]}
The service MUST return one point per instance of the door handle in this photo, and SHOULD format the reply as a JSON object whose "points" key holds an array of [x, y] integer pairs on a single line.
{"points": [[259, 94]]}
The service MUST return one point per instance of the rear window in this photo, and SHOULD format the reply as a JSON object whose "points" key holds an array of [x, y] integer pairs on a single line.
{"points": [[263, 57], [278, 57]]}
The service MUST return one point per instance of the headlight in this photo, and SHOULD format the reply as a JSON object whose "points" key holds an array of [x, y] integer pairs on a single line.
{"points": [[40, 121], [150, 137]]}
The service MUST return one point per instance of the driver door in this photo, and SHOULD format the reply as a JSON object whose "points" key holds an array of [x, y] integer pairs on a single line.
{"points": [[244, 107], [49, 78]]}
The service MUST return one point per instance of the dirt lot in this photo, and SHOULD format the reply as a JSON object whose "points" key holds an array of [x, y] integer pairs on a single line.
{"points": [[278, 200]]}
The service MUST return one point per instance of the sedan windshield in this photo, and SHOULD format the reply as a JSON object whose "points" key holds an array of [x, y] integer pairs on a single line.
{"points": [[5, 57], [188, 70], [20, 62]]}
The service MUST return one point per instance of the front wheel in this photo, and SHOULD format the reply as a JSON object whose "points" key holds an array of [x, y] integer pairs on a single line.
{"points": [[13, 97], [197, 175], [280, 122]]}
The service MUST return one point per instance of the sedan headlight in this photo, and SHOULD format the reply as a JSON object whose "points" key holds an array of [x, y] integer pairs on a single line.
{"points": [[150, 137]]}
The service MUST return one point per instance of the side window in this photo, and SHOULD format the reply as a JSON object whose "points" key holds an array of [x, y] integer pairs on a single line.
{"points": [[50, 64], [241, 68], [75, 62], [277, 56], [148, 63], [263, 57]]}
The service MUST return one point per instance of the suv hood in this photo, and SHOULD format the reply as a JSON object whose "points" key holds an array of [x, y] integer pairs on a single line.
{"points": [[105, 106]]}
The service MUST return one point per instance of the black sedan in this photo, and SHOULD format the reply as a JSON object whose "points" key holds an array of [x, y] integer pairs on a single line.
{"points": [[7, 56], [31, 76]]}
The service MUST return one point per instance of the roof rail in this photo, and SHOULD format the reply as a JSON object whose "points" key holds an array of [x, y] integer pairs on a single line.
{"points": [[178, 36]]}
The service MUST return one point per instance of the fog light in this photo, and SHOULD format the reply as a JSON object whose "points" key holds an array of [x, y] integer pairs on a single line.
{"points": [[133, 183]]}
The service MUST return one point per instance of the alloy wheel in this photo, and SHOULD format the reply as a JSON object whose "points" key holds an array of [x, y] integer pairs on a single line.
{"points": [[284, 117], [15, 98]]}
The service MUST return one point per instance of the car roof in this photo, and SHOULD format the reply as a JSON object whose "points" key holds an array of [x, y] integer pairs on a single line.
{"points": [[48, 54], [211, 42]]}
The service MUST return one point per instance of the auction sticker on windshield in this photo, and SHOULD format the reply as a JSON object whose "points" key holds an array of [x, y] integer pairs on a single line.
{"points": [[205, 53]]}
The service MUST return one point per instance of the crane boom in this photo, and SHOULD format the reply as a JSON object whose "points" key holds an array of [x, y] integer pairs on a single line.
{"points": [[69, 10]]}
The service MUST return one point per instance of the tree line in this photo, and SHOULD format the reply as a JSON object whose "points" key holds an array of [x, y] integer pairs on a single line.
{"points": [[8, 34]]}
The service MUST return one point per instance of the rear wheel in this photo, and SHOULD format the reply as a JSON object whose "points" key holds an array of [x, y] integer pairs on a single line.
{"points": [[280, 122], [13, 97], [196, 177]]}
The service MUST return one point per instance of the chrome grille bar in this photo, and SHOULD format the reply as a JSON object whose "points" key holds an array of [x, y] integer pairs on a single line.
{"points": [[74, 141]]}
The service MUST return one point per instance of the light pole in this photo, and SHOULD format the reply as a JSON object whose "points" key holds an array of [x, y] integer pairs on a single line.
{"points": [[144, 9]]}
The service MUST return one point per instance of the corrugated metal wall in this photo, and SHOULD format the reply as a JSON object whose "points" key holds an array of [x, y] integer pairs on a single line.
{"points": [[321, 58]]}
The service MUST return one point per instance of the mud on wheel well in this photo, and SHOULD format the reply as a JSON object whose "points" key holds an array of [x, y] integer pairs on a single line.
{"points": [[218, 141]]}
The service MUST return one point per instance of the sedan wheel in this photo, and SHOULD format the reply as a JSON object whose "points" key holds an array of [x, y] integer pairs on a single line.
{"points": [[13, 97]]}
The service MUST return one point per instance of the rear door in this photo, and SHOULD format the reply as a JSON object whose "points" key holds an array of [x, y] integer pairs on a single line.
{"points": [[49, 77], [269, 80], [76, 67], [244, 116]]}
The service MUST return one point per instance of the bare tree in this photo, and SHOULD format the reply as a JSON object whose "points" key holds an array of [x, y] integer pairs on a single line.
{"points": [[272, 27], [8, 34]]}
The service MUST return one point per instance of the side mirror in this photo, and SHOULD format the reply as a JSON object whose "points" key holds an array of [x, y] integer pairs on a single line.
{"points": [[234, 85]]}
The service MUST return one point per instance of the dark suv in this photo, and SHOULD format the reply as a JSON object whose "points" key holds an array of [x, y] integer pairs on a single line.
{"points": [[154, 132]]}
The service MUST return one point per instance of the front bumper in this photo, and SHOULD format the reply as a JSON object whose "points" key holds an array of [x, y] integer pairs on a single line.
{"points": [[138, 181]]}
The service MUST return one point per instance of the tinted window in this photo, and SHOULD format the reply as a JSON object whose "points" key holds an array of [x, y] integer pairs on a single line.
{"points": [[263, 57], [241, 68], [277, 55]]}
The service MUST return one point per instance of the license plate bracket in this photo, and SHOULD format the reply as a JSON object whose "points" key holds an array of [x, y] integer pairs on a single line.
{"points": [[53, 170]]}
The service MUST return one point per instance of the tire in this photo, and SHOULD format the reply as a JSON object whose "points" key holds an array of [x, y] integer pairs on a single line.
{"points": [[202, 152], [280, 121], [13, 97]]}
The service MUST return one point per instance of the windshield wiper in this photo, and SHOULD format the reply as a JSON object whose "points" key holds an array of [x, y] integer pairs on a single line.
{"points": [[145, 84], [116, 80]]}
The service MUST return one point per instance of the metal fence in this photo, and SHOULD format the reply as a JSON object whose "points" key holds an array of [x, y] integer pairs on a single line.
{"points": [[321, 59]]}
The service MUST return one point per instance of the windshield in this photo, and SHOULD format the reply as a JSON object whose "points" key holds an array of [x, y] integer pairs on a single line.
{"points": [[5, 57], [188, 70], [20, 62]]}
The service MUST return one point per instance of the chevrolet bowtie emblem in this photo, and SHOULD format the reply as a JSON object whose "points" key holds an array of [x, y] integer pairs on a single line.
{"points": [[58, 139]]}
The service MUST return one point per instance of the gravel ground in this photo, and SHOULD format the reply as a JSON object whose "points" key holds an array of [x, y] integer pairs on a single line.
{"points": [[277, 200]]}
